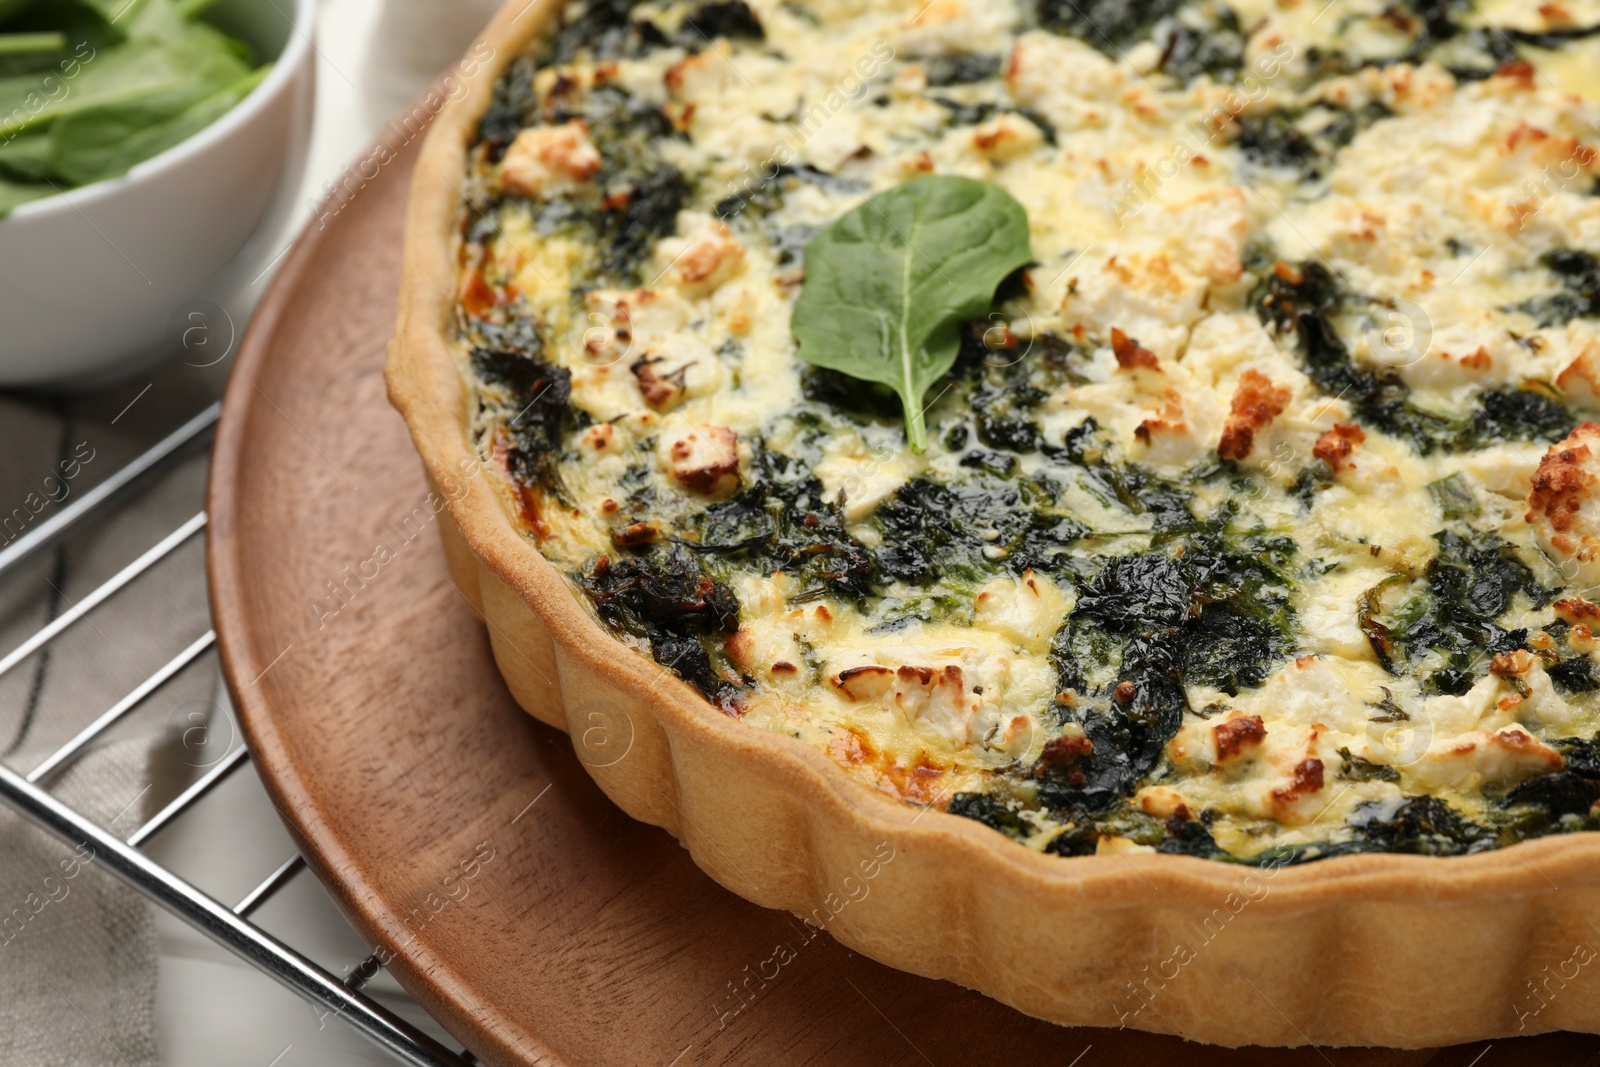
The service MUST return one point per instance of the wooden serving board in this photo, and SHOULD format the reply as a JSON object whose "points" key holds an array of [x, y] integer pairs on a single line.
{"points": [[465, 841]]}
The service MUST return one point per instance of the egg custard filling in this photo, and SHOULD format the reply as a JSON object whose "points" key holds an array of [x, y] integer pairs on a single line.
{"points": [[1258, 518]]}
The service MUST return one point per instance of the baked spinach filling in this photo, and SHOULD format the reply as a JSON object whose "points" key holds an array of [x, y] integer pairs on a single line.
{"points": [[963, 68], [1195, 40], [1447, 617], [1306, 300], [606, 29], [1199, 609], [1578, 274], [781, 522], [665, 597], [1181, 592], [1303, 139], [534, 415], [634, 200], [1106, 24]]}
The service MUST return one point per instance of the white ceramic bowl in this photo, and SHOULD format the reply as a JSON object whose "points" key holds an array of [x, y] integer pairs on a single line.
{"points": [[91, 278]]}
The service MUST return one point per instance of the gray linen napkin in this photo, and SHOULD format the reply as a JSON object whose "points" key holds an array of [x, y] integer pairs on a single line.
{"points": [[78, 953]]}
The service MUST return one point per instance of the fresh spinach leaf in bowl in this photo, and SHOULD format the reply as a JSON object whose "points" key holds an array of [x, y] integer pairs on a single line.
{"points": [[89, 88]]}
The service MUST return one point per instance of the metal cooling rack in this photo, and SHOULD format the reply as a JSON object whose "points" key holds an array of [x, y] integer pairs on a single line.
{"points": [[229, 927]]}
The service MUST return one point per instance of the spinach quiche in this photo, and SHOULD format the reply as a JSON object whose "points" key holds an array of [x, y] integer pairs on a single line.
{"points": [[1120, 429]]}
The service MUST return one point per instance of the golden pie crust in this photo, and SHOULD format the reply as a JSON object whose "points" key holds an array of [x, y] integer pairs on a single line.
{"points": [[1373, 949]]}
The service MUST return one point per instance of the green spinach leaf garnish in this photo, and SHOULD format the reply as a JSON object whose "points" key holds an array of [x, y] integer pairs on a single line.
{"points": [[889, 284]]}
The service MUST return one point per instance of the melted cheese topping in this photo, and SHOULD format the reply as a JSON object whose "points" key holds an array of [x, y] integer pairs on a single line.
{"points": [[1309, 323]]}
